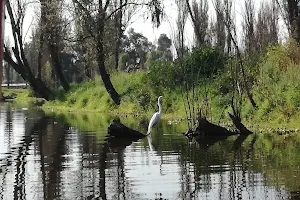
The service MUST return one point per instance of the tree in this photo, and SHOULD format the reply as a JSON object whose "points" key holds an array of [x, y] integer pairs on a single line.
{"points": [[18, 60], [179, 39], [248, 27], [199, 15], [291, 14], [164, 43], [162, 51], [136, 46], [266, 26], [121, 20], [240, 66], [219, 26], [52, 26], [2, 10], [95, 17]]}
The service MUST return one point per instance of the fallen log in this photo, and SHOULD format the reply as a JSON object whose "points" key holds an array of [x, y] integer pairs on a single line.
{"points": [[119, 130], [207, 134], [238, 124], [209, 129]]}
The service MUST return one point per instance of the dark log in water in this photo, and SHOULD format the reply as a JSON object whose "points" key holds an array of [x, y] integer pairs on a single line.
{"points": [[207, 134], [119, 130], [209, 129]]}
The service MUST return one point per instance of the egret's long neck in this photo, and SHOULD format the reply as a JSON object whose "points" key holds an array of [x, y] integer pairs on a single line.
{"points": [[159, 107]]}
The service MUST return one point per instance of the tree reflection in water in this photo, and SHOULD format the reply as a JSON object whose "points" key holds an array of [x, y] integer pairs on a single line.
{"points": [[69, 157]]}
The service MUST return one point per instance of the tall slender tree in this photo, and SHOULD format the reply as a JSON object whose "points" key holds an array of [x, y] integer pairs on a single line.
{"points": [[290, 10], [179, 41], [95, 16], [219, 26], [248, 27], [15, 56], [230, 26], [266, 25], [199, 16], [52, 25], [2, 10]]}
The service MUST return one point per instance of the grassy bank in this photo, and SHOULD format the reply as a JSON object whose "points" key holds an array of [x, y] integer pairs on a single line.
{"points": [[22, 97], [138, 99], [274, 81]]}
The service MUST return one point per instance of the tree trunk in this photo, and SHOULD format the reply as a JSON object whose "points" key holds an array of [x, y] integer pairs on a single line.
{"points": [[56, 64], [195, 23], [2, 25], [38, 87], [118, 24], [240, 61], [40, 55], [51, 31], [8, 75], [21, 65], [105, 77], [294, 19], [101, 62]]}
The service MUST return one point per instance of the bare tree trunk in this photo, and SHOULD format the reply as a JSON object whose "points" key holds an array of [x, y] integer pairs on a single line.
{"points": [[56, 64], [2, 25], [101, 58], [181, 22], [228, 9], [51, 31], [39, 67], [119, 33], [21, 65], [266, 26]]}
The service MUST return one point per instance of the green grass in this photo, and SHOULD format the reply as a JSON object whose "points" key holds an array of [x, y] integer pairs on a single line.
{"points": [[137, 98], [22, 97]]}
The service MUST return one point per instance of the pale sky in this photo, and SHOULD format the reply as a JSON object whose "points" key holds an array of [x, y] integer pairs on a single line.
{"points": [[145, 27]]}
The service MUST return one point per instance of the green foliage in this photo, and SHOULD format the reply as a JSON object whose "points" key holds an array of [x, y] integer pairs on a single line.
{"points": [[162, 75], [203, 62], [277, 88], [135, 48], [195, 67]]}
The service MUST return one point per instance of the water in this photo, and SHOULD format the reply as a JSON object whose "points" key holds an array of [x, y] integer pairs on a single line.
{"points": [[67, 156]]}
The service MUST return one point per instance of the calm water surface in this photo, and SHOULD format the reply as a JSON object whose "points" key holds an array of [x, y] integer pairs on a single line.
{"points": [[69, 157]]}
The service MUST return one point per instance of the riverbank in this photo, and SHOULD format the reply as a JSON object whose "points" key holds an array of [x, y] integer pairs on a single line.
{"points": [[140, 102], [274, 82]]}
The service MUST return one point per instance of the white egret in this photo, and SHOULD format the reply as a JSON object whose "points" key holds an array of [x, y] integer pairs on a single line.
{"points": [[156, 116]]}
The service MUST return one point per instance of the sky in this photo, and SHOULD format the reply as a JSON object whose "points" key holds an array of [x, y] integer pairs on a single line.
{"points": [[144, 26], [168, 23]]}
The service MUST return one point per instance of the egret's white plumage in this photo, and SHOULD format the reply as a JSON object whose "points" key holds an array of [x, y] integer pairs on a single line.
{"points": [[156, 116]]}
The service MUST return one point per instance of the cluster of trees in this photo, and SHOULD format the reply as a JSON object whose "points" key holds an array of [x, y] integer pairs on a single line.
{"points": [[75, 40], [83, 35]]}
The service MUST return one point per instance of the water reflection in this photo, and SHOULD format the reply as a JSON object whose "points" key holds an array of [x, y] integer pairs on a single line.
{"points": [[69, 157]]}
